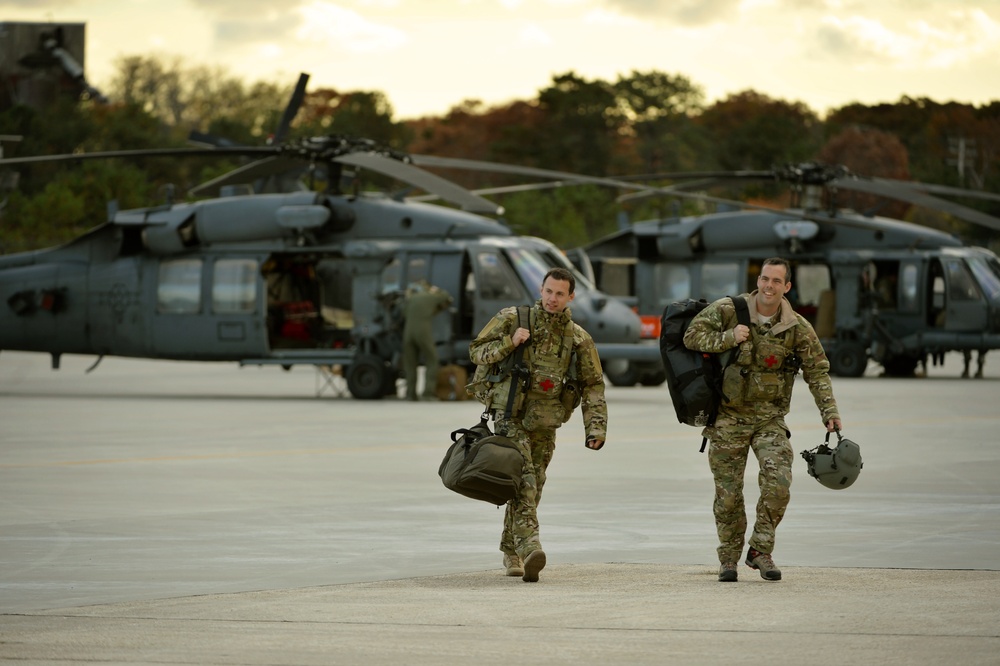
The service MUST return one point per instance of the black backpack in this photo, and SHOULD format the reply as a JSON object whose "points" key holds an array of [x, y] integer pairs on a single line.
{"points": [[694, 378]]}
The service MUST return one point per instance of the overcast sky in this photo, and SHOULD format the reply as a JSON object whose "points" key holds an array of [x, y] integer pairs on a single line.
{"points": [[429, 55]]}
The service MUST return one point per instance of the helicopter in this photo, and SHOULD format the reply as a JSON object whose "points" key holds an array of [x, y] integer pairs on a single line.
{"points": [[874, 288], [261, 275]]}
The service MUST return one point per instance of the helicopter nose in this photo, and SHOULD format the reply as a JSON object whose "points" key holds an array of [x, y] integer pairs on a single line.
{"points": [[607, 319]]}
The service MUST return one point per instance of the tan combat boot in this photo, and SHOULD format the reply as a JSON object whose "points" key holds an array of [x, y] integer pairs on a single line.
{"points": [[513, 565], [763, 563]]}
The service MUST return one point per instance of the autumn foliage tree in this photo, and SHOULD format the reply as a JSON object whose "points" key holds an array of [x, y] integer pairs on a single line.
{"points": [[642, 122], [873, 153]]}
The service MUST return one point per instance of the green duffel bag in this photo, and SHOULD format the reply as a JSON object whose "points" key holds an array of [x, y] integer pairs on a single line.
{"points": [[482, 465]]}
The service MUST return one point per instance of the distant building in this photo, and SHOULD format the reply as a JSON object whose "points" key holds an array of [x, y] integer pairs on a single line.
{"points": [[40, 62]]}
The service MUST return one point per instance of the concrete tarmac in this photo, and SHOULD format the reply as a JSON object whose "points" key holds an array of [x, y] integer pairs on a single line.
{"points": [[187, 513]]}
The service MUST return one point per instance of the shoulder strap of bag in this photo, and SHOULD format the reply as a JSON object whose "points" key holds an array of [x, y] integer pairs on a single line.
{"points": [[518, 372], [742, 310], [742, 317]]}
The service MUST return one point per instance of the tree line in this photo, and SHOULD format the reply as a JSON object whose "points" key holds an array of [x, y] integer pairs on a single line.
{"points": [[641, 123]]}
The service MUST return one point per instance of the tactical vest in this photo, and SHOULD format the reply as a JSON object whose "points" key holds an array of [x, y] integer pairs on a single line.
{"points": [[552, 391], [765, 375]]}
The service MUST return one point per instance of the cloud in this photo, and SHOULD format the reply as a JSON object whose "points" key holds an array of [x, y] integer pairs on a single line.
{"points": [[685, 12], [301, 23], [952, 39], [243, 8], [244, 32], [534, 35], [332, 25], [36, 4]]}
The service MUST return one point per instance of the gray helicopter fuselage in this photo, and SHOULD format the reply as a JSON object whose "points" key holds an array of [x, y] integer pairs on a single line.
{"points": [[281, 279], [877, 287]]}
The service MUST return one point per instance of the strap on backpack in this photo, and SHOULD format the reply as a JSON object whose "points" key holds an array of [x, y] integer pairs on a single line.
{"points": [[518, 371], [742, 317]]}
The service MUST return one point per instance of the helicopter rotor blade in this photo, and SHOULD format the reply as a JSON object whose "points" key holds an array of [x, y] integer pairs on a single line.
{"points": [[445, 189], [693, 184], [506, 189], [941, 189], [248, 173], [570, 178], [913, 192], [139, 153], [294, 104], [917, 198]]}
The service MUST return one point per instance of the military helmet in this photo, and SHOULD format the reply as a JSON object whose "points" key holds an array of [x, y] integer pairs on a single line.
{"points": [[835, 468]]}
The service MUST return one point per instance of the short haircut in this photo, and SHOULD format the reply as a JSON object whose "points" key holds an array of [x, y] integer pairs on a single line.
{"points": [[561, 274], [778, 261]]}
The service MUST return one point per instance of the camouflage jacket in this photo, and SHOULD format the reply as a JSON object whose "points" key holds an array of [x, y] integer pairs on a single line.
{"points": [[758, 382], [538, 408]]}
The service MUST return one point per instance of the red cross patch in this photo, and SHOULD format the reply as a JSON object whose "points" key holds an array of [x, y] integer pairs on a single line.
{"points": [[771, 361], [546, 385]]}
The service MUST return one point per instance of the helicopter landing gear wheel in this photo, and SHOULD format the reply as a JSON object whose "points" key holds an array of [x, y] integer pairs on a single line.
{"points": [[849, 359], [652, 377], [621, 373], [367, 377]]}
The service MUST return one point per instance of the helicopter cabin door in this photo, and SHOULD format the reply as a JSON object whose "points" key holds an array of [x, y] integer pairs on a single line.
{"points": [[964, 306], [493, 285], [443, 270], [209, 308]]}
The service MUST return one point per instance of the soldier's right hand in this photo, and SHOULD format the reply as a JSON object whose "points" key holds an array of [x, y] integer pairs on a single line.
{"points": [[520, 335], [741, 333]]}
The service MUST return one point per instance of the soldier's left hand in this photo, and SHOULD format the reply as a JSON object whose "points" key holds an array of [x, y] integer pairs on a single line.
{"points": [[594, 444], [833, 425]]}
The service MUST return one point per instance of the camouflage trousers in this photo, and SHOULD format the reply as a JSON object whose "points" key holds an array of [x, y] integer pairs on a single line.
{"points": [[520, 522], [727, 457]]}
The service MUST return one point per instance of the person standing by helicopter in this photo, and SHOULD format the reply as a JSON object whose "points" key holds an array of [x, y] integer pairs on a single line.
{"points": [[980, 362], [422, 303], [758, 384], [563, 367]]}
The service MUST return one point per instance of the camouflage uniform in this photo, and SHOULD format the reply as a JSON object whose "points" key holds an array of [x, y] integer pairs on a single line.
{"points": [[759, 387], [421, 306], [538, 412]]}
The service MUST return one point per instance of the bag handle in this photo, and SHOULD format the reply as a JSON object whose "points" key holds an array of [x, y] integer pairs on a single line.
{"points": [[483, 425], [827, 440]]}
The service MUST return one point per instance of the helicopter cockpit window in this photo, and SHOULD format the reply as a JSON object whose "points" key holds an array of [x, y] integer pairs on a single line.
{"points": [[908, 284], [416, 270], [673, 281], [718, 280], [531, 267], [961, 286], [392, 275], [560, 260], [179, 287], [234, 286], [495, 279], [809, 283], [988, 275]]}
